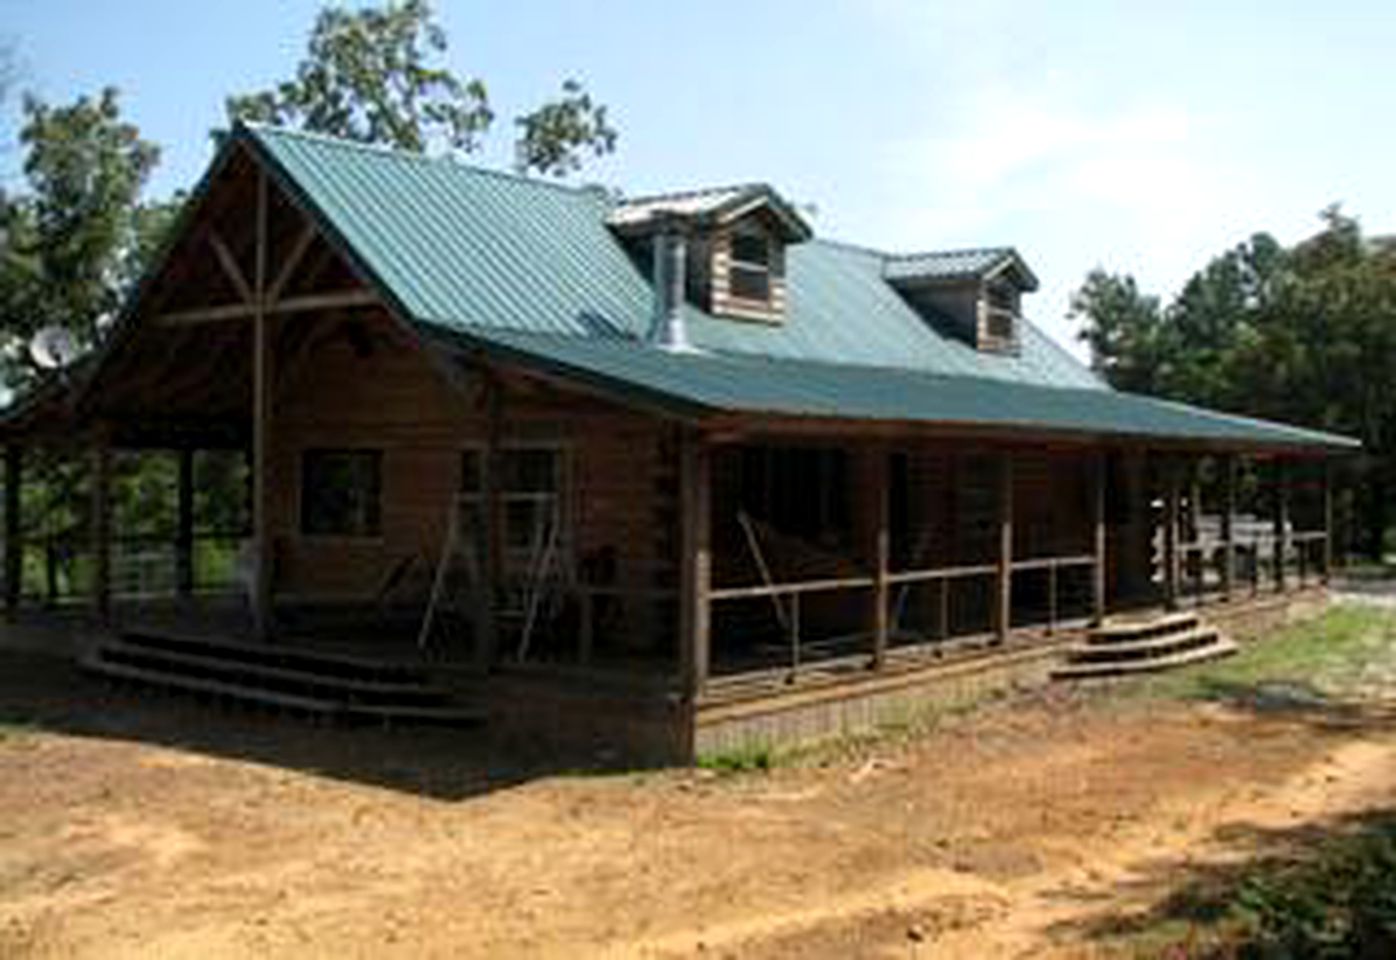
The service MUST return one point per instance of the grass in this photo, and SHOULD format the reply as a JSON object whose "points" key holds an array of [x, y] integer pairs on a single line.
{"points": [[1323, 658], [747, 758]]}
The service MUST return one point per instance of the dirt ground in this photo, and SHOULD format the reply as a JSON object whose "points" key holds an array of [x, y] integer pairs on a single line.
{"points": [[134, 827]]}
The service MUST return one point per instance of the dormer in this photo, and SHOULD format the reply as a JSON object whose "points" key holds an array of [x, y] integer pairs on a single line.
{"points": [[974, 295], [734, 243]]}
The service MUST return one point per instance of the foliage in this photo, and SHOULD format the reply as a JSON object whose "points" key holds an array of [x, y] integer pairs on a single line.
{"points": [[1305, 335], [74, 239], [750, 758], [377, 75]]}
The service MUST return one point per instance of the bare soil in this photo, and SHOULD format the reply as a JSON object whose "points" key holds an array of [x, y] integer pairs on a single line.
{"points": [[140, 827]]}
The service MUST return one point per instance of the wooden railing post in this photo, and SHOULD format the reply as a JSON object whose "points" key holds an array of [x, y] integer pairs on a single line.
{"points": [[184, 532], [489, 542], [263, 390], [14, 543], [880, 547], [695, 603], [1098, 579], [1281, 519], [1170, 535], [1327, 521], [101, 527], [1228, 530], [1003, 621]]}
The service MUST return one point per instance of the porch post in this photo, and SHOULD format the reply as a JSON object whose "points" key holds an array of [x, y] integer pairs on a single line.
{"points": [[695, 578], [1170, 534], [1327, 482], [101, 527], [1098, 477], [184, 532], [490, 543], [14, 544], [1228, 526], [879, 546], [1281, 523], [1003, 621], [263, 385]]}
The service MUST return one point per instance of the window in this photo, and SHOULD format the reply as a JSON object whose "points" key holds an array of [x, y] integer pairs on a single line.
{"points": [[529, 490], [749, 276], [340, 492], [1001, 317]]}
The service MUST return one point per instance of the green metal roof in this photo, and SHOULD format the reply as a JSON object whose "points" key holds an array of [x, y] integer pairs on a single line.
{"points": [[529, 269]]}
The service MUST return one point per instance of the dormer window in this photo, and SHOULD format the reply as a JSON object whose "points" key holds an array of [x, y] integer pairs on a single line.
{"points": [[1000, 321], [749, 270], [972, 295], [735, 241]]}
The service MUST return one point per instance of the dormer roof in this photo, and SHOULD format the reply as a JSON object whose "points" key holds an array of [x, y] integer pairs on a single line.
{"points": [[953, 266], [710, 207]]}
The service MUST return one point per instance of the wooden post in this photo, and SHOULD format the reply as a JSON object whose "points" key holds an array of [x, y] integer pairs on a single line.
{"points": [[1281, 481], [14, 543], [263, 387], [184, 532], [1327, 521], [879, 546], [1003, 620], [1098, 478], [490, 540], [1228, 526], [1170, 534], [101, 528], [695, 622]]}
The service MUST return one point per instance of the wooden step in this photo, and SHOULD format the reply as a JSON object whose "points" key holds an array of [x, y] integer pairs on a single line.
{"points": [[294, 681], [320, 663], [1139, 629], [230, 691], [1122, 650], [1084, 671]]}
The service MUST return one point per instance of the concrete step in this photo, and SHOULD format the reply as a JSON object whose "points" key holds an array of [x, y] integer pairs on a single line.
{"points": [[1128, 629], [230, 691], [1084, 671], [1096, 652], [279, 656]]}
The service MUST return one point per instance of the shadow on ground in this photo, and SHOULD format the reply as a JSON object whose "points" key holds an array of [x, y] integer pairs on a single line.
{"points": [[1316, 889], [48, 693]]}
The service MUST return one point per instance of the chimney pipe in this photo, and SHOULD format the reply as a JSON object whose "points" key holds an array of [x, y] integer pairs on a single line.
{"points": [[668, 331]]}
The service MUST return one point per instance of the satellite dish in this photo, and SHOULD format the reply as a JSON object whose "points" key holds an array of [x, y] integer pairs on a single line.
{"points": [[53, 348]]}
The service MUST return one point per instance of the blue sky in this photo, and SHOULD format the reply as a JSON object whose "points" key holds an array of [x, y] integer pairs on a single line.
{"points": [[1144, 140]]}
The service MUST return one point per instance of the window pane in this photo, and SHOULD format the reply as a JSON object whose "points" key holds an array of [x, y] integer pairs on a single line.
{"points": [[529, 471], [340, 491], [470, 471], [751, 248], [750, 284]]}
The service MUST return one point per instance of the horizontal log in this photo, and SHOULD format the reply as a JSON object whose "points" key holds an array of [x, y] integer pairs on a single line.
{"points": [[242, 311], [941, 573], [786, 589], [1043, 563]]}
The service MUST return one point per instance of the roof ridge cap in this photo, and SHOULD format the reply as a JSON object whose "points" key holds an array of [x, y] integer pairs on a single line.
{"points": [[259, 129], [696, 192], [952, 252]]}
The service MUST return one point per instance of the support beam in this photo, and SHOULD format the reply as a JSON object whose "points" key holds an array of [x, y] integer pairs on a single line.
{"points": [[14, 542], [101, 528], [292, 261], [1003, 617], [263, 383], [1171, 559], [1099, 470], [311, 302], [1327, 521], [230, 267], [1281, 520], [695, 586], [184, 529], [1230, 466], [490, 542], [876, 490]]}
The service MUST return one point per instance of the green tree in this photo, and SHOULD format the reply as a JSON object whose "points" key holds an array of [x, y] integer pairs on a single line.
{"points": [[377, 75], [1305, 335], [71, 242]]}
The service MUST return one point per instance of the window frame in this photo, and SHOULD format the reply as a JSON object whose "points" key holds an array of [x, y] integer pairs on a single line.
{"points": [[370, 531], [764, 270], [515, 558]]}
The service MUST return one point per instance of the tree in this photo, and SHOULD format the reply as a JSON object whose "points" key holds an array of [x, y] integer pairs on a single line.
{"points": [[1305, 335], [73, 240], [376, 75]]}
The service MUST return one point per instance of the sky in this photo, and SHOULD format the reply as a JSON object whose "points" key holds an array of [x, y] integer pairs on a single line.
{"points": [[1142, 138]]}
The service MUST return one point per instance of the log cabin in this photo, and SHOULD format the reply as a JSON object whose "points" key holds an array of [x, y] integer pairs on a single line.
{"points": [[668, 474]]}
